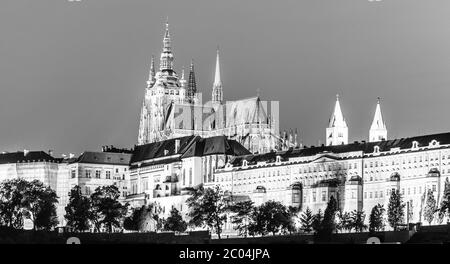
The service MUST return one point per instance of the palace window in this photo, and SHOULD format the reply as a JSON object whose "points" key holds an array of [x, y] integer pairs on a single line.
{"points": [[314, 196], [108, 175], [73, 173], [88, 173], [434, 187], [324, 196], [97, 174]]}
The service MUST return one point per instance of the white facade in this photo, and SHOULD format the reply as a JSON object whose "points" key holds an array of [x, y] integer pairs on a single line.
{"points": [[365, 174], [378, 130], [96, 169], [37, 165], [337, 130]]}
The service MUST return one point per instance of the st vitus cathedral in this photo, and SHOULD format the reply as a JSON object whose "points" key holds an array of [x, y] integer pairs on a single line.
{"points": [[173, 108]]}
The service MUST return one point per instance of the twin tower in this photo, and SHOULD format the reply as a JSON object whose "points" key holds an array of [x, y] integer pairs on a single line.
{"points": [[337, 130]]}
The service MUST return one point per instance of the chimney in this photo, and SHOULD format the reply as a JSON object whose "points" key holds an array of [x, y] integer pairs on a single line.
{"points": [[50, 152], [25, 152], [71, 155], [177, 145]]}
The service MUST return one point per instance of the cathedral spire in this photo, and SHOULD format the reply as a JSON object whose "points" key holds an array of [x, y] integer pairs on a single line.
{"points": [[166, 62], [217, 94], [182, 80], [151, 76], [192, 85], [378, 130], [337, 131]]}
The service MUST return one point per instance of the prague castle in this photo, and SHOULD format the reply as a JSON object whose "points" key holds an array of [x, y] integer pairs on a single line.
{"points": [[183, 142], [173, 107]]}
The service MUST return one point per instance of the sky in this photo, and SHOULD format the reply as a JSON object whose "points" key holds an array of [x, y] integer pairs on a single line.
{"points": [[73, 74]]}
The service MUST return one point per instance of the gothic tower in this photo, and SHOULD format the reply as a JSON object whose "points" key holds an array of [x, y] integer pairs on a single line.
{"points": [[217, 94], [163, 89], [378, 130], [337, 130], [192, 85]]}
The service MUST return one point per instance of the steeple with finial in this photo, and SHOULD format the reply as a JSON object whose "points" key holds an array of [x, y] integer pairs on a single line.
{"points": [[337, 130], [151, 75], [192, 85], [217, 93], [378, 130], [166, 62]]}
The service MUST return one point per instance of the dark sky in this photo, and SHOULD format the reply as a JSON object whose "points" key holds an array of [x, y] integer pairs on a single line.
{"points": [[72, 74]]}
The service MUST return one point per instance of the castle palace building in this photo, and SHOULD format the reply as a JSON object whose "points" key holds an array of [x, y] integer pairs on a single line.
{"points": [[359, 175], [173, 108]]}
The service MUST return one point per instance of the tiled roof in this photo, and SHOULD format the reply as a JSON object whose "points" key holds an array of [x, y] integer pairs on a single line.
{"points": [[365, 147], [19, 156], [215, 145], [190, 146], [161, 149], [103, 158]]}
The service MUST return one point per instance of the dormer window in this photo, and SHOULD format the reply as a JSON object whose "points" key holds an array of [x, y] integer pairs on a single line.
{"points": [[376, 149], [244, 163], [278, 159], [415, 145], [434, 143]]}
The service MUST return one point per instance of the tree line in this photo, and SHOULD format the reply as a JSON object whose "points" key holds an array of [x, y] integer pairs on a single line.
{"points": [[208, 208]]}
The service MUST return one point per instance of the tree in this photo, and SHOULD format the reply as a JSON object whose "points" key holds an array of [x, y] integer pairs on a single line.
{"points": [[20, 198], [328, 224], [395, 210], [132, 222], [306, 220], [430, 207], [208, 207], [343, 223], [317, 221], [78, 210], [242, 217], [273, 217], [12, 202], [376, 222], [357, 221], [44, 208], [291, 215], [107, 210], [175, 222]]}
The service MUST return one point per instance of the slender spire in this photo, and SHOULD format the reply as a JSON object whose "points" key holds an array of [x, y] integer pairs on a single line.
{"points": [[192, 85], [337, 130], [217, 81], [182, 80], [151, 75], [166, 56], [337, 118], [217, 93], [378, 130]]}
